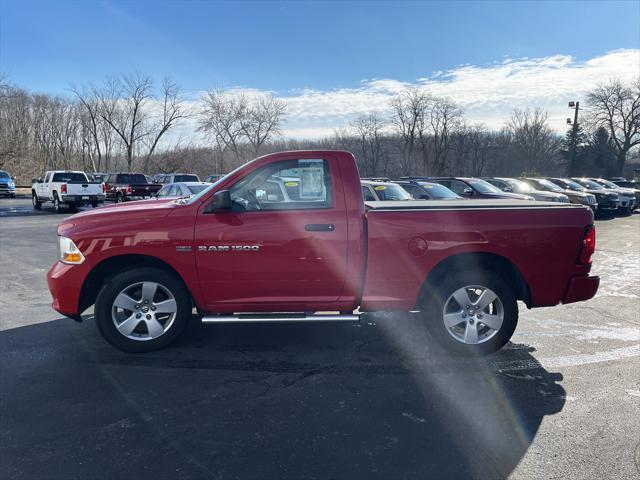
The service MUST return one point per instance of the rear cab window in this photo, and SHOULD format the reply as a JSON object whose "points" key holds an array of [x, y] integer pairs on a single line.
{"points": [[69, 177]]}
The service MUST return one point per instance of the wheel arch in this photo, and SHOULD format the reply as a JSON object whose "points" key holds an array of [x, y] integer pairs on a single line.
{"points": [[111, 266], [478, 261]]}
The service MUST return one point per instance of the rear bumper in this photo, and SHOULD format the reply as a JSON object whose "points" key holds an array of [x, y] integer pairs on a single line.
{"points": [[581, 288], [82, 199]]}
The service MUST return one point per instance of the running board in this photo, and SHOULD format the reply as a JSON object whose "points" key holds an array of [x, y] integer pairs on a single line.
{"points": [[279, 318]]}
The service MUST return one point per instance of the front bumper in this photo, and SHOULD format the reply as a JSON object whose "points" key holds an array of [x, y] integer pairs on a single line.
{"points": [[608, 205], [65, 284], [581, 288], [7, 191]]}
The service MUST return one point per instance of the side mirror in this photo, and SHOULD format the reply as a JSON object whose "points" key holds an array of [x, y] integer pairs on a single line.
{"points": [[507, 188], [424, 196], [13, 178], [467, 192], [221, 202]]}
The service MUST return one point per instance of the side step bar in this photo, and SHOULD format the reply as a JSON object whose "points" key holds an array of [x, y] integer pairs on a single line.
{"points": [[279, 318]]}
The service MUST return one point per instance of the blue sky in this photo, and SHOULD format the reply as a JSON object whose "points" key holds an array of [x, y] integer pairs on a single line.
{"points": [[331, 60], [288, 45]]}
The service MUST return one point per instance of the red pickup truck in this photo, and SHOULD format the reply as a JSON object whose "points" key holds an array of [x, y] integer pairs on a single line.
{"points": [[315, 251]]}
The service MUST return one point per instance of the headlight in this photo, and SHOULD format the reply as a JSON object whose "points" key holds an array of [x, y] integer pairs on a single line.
{"points": [[11, 184], [68, 252]]}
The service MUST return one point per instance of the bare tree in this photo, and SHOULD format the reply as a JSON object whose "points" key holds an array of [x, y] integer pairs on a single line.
{"points": [[222, 118], [408, 115], [534, 146], [616, 107], [369, 131], [126, 105], [444, 118], [262, 121]]}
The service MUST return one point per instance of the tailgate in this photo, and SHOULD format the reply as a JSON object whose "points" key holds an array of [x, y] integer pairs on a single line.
{"points": [[140, 190], [88, 188]]}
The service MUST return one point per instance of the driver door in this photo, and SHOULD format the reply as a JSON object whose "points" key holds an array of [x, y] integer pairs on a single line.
{"points": [[282, 247]]}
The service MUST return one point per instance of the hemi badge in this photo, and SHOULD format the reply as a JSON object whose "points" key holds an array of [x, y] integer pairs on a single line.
{"points": [[183, 248]]}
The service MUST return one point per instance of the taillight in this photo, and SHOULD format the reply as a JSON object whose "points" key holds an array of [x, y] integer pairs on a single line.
{"points": [[63, 188], [129, 190], [588, 245], [104, 188]]}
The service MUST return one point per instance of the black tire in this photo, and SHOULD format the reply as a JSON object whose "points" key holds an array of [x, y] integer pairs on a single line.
{"points": [[37, 204], [119, 198], [57, 207], [94, 204], [434, 313], [120, 282]]}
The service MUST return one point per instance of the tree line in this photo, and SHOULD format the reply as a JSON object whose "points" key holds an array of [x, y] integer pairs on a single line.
{"points": [[128, 123]]}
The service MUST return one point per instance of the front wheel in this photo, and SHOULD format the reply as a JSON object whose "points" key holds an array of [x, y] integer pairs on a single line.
{"points": [[143, 309], [472, 313], [37, 204]]}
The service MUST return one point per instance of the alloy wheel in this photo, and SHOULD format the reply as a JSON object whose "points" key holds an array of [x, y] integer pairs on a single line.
{"points": [[144, 311], [473, 314]]}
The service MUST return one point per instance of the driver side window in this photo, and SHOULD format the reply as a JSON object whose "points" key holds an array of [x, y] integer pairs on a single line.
{"points": [[285, 185]]}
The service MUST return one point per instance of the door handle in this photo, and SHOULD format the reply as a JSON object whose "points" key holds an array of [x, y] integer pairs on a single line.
{"points": [[320, 227]]}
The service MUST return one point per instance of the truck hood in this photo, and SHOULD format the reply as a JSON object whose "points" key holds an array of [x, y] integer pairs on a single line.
{"points": [[143, 210]]}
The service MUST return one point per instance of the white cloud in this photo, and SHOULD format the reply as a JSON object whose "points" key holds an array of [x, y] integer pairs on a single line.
{"points": [[488, 94]]}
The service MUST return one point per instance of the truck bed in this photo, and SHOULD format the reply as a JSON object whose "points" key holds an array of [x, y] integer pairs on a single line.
{"points": [[482, 204]]}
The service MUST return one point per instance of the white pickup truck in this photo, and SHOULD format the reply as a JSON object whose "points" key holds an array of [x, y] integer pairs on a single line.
{"points": [[65, 188]]}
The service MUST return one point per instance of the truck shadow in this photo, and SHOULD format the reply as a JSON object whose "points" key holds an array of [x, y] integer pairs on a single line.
{"points": [[266, 401]]}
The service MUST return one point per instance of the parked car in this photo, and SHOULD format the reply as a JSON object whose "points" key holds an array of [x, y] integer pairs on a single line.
{"points": [[461, 269], [476, 188], [122, 187], [626, 199], [577, 196], [518, 186], [181, 189], [420, 190], [7, 185], [623, 182], [373, 191], [214, 178], [176, 177], [629, 197], [607, 201], [66, 189]]}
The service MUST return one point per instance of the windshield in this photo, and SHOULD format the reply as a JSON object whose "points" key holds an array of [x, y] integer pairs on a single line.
{"points": [[185, 178], [4, 175], [391, 191], [482, 186], [69, 177], [197, 188], [519, 187], [590, 184], [132, 178], [607, 183], [438, 191], [548, 185]]}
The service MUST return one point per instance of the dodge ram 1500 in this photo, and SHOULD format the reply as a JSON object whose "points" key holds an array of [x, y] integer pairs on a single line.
{"points": [[241, 248]]}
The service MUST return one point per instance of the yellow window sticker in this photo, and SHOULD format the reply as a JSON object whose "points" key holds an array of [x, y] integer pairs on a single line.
{"points": [[291, 184], [380, 187]]}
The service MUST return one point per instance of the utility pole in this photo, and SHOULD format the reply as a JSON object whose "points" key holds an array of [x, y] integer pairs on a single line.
{"points": [[574, 138]]}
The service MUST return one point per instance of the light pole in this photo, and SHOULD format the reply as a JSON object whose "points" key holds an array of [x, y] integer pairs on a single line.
{"points": [[574, 137]]}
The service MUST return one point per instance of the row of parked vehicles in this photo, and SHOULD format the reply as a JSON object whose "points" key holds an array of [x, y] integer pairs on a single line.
{"points": [[71, 189], [601, 195]]}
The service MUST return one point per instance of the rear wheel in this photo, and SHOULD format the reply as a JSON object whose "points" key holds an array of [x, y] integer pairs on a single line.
{"points": [[142, 310], [57, 207], [472, 313], [37, 204], [119, 198]]}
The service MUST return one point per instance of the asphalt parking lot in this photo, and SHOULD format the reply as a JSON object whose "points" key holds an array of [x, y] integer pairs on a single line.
{"points": [[318, 401]]}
